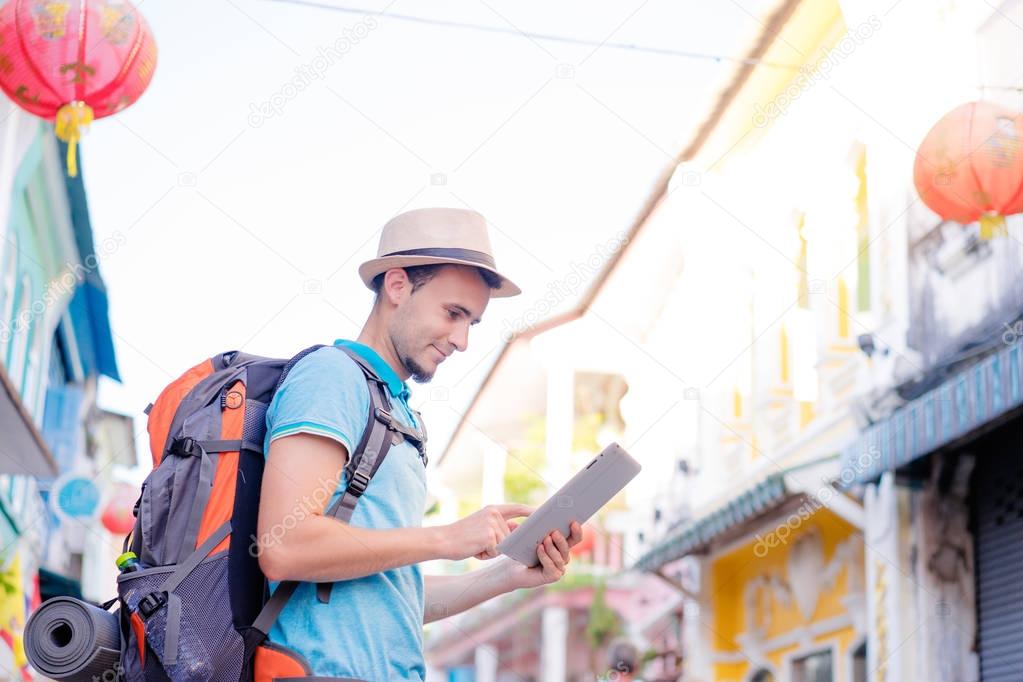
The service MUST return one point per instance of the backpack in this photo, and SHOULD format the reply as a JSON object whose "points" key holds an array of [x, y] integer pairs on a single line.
{"points": [[197, 607]]}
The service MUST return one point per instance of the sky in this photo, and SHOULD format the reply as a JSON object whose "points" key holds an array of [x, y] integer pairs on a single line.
{"points": [[276, 139]]}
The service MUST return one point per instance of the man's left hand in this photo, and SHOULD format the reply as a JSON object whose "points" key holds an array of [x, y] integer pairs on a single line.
{"points": [[554, 555]]}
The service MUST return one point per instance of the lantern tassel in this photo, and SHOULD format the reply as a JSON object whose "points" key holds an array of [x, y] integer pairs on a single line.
{"points": [[72, 158], [993, 225], [71, 121]]}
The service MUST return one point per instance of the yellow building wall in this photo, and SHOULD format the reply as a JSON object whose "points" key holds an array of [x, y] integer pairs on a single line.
{"points": [[813, 28], [732, 574]]}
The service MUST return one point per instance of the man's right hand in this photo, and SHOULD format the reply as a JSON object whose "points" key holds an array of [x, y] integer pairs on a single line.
{"points": [[478, 534]]}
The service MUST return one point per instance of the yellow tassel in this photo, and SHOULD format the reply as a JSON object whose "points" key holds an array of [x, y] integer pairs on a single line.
{"points": [[71, 121], [72, 160], [993, 225]]}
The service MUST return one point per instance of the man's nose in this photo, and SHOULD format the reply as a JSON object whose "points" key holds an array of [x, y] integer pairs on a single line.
{"points": [[459, 338]]}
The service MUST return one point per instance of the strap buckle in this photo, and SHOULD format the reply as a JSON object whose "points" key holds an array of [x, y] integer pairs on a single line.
{"points": [[151, 603], [387, 418], [186, 447], [418, 440], [358, 483]]}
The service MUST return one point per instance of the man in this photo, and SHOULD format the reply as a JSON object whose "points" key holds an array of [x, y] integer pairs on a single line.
{"points": [[623, 659], [433, 278]]}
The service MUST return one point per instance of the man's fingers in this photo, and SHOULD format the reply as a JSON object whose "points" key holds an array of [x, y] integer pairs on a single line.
{"points": [[575, 534], [552, 551], [545, 561], [502, 530], [510, 511], [560, 542], [512, 525]]}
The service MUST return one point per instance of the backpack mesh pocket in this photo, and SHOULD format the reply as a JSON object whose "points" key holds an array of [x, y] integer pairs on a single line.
{"points": [[209, 648]]}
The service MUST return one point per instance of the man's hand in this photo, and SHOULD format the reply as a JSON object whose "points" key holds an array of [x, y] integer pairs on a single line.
{"points": [[447, 595], [479, 534], [554, 556]]}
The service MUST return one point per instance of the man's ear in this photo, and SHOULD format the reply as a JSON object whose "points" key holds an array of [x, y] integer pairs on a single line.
{"points": [[396, 286]]}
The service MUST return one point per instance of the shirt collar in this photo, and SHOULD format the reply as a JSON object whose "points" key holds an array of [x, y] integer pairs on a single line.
{"points": [[395, 385]]}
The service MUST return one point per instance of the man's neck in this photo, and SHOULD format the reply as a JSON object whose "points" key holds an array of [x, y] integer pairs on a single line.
{"points": [[381, 343]]}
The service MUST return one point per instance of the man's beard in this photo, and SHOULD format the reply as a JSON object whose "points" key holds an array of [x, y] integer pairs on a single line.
{"points": [[419, 375]]}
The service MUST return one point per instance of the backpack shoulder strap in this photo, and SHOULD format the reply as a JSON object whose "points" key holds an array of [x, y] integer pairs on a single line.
{"points": [[369, 454], [377, 437], [362, 464], [294, 361]]}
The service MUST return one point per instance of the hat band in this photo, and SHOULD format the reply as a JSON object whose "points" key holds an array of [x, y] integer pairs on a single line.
{"points": [[459, 254]]}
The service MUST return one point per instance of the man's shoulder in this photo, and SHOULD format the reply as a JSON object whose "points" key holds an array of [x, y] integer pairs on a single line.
{"points": [[324, 373], [329, 363], [324, 393]]}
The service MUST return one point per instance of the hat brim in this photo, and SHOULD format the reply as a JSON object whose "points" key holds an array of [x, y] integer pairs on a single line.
{"points": [[372, 268]]}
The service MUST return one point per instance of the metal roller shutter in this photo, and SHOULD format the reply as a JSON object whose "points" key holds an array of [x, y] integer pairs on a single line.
{"points": [[998, 505]]}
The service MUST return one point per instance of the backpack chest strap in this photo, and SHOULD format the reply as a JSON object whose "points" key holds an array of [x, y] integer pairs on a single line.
{"points": [[413, 436]]}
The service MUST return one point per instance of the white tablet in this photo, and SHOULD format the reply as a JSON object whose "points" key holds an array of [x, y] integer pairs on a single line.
{"points": [[588, 491]]}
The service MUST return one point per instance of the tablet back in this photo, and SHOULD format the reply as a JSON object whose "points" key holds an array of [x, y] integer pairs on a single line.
{"points": [[587, 491]]}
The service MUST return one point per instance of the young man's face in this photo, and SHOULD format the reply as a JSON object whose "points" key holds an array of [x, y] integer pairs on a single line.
{"points": [[433, 322]]}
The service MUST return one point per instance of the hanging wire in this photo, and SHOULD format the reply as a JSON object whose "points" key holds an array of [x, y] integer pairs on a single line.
{"points": [[541, 36]]}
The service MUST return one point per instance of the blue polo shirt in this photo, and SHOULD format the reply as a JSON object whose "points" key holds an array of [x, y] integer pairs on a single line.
{"points": [[372, 629]]}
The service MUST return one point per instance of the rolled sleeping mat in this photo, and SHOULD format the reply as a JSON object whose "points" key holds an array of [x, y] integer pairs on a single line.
{"points": [[69, 639]]}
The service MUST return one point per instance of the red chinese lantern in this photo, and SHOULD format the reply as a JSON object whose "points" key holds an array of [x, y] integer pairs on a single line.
{"points": [[970, 166], [117, 516], [586, 544], [74, 60]]}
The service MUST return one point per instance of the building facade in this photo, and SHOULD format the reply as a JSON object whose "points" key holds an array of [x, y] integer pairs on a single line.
{"points": [[820, 377], [858, 521], [55, 343]]}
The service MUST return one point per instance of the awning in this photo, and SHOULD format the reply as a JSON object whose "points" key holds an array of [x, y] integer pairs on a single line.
{"points": [[976, 397], [22, 449], [697, 534], [52, 584], [89, 307], [791, 485], [90, 318]]}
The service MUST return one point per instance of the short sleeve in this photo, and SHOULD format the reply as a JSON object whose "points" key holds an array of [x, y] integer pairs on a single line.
{"points": [[324, 394]]}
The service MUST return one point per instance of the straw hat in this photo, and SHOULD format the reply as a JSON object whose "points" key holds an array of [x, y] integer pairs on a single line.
{"points": [[429, 236]]}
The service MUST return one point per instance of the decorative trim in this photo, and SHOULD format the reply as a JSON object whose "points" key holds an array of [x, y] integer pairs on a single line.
{"points": [[804, 634], [971, 399]]}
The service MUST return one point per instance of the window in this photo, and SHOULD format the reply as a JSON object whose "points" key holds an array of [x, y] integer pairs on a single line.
{"points": [[859, 663], [20, 330], [8, 276], [813, 668], [597, 409], [862, 234], [57, 367], [33, 379]]}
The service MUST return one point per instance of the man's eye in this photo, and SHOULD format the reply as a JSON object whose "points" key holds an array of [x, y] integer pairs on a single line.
{"points": [[453, 314]]}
